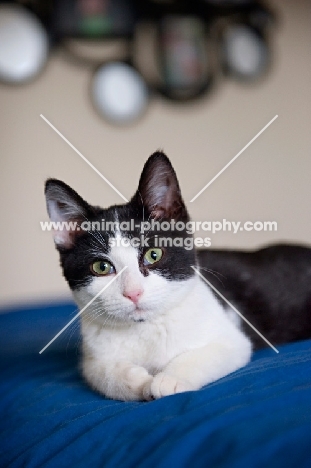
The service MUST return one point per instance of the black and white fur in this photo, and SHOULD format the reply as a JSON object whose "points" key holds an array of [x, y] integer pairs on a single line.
{"points": [[158, 329]]}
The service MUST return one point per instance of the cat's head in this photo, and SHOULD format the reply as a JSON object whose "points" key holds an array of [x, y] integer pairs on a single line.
{"points": [[101, 242]]}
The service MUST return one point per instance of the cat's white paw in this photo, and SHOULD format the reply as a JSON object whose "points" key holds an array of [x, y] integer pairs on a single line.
{"points": [[164, 385], [136, 376], [134, 379]]}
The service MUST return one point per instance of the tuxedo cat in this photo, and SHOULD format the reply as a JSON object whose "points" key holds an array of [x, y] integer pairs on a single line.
{"points": [[158, 329]]}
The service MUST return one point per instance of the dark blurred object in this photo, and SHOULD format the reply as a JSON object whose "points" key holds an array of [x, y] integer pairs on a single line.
{"points": [[229, 3], [94, 18], [183, 53]]}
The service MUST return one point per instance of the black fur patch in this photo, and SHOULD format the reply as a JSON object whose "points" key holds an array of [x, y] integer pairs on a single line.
{"points": [[271, 287]]}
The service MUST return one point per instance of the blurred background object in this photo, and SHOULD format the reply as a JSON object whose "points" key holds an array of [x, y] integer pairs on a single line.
{"points": [[245, 52], [24, 44], [187, 43], [175, 48], [119, 92]]}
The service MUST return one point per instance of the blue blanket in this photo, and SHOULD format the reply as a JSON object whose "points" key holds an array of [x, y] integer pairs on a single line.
{"points": [[259, 416]]}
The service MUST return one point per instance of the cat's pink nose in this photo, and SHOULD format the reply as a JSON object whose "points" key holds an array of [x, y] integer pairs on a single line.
{"points": [[133, 295]]}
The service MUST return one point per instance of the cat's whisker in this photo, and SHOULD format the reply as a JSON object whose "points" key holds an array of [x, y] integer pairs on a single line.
{"points": [[149, 217], [216, 274], [99, 238], [143, 206]]}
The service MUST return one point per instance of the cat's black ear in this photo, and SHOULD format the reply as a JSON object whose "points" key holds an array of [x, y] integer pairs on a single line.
{"points": [[64, 205], [159, 190]]}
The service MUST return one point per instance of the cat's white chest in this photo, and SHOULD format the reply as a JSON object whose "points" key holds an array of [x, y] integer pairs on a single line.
{"points": [[154, 344], [149, 345]]}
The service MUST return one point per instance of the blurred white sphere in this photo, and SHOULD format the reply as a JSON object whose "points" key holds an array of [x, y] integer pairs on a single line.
{"points": [[24, 44], [119, 92], [245, 52]]}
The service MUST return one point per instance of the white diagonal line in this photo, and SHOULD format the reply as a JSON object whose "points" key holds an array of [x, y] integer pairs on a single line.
{"points": [[82, 310], [235, 310], [83, 157], [233, 159]]}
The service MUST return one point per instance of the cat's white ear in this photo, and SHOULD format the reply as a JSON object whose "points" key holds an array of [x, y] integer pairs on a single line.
{"points": [[67, 210], [159, 190]]}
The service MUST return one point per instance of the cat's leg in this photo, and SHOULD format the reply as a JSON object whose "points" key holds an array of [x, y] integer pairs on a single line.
{"points": [[121, 380], [195, 368]]}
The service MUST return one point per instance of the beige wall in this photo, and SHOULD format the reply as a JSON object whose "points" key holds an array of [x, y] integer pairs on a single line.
{"points": [[270, 181]]}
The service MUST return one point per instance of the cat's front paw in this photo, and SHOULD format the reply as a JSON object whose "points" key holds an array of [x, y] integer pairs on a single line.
{"points": [[135, 378], [164, 384]]}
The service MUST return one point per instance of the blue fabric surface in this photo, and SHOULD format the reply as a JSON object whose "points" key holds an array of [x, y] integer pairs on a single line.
{"points": [[260, 416]]}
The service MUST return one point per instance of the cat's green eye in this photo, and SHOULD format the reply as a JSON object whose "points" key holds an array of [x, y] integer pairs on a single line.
{"points": [[152, 256], [102, 268]]}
